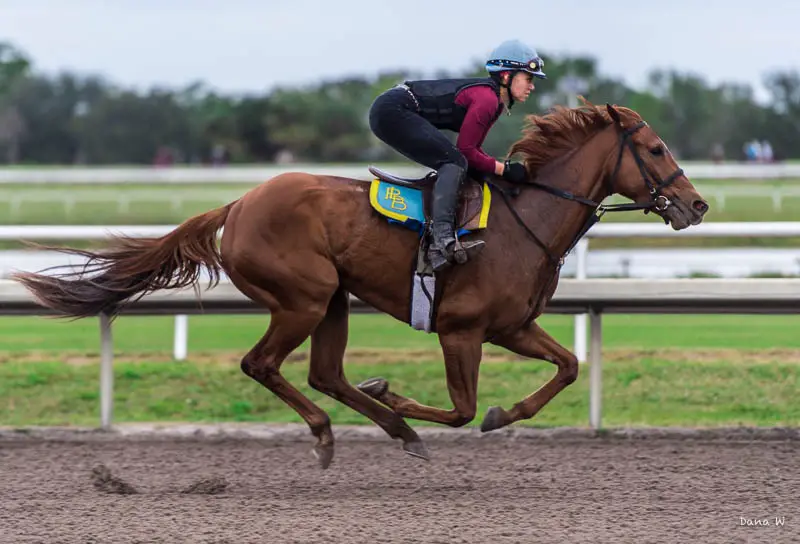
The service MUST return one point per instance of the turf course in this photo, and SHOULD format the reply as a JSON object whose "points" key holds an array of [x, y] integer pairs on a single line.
{"points": [[659, 370]]}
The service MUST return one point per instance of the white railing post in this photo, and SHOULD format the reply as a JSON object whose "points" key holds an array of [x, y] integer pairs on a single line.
{"points": [[106, 372], [595, 370], [181, 340], [581, 254]]}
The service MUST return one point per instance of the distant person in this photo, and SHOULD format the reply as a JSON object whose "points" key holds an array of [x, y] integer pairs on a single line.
{"points": [[164, 157], [766, 152], [409, 117], [752, 150], [219, 155]]}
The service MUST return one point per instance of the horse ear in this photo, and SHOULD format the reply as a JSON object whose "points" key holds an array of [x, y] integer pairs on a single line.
{"points": [[612, 111]]}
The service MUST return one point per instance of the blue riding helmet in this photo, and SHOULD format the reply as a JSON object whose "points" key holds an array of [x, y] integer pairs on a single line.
{"points": [[515, 55]]}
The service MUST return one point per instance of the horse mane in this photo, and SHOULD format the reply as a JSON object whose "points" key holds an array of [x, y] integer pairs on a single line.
{"points": [[552, 135]]}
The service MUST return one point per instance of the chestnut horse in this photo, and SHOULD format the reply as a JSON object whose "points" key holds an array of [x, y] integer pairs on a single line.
{"points": [[299, 244]]}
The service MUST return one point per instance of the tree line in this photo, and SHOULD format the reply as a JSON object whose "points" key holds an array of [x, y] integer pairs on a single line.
{"points": [[72, 118]]}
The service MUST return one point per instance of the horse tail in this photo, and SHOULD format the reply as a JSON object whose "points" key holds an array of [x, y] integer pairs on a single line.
{"points": [[132, 268]]}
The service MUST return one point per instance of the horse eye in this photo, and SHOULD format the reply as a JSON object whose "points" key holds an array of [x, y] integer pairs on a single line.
{"points": [[657, 150]]}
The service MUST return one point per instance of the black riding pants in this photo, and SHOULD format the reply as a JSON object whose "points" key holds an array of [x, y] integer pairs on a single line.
{"points": [[394, 119]]}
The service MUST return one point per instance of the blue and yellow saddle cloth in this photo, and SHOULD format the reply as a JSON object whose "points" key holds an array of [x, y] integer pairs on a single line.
{"points": [[405, 206]]}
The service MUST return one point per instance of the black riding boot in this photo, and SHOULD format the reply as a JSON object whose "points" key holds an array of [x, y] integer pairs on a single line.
{"points": [[444, 246]]}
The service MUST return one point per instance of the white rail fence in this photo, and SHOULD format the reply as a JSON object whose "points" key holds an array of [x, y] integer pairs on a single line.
{"points": [[602, 230], [256, 173], [134, 197], [593, 297], [124, 201], [123, 187], [720, 194], [777, 229]]}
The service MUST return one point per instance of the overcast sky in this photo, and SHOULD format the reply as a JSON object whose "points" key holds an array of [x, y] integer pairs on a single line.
{"points": [[251, 45]]}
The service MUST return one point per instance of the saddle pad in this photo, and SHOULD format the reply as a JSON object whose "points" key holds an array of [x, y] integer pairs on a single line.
{"points": [[403, 204], [407, 206]]}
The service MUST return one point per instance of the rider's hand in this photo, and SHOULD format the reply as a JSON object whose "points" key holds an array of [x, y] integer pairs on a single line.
{"points": [[515, 172]]}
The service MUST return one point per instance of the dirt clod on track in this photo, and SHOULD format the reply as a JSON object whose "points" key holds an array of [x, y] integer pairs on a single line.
{"points": [[207, 486], [104, 481], [234, 485]]}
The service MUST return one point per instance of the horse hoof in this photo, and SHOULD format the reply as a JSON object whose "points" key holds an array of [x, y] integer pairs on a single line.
{"points": [[494, 419], [417, 449], [374, 387], [324, 454]]}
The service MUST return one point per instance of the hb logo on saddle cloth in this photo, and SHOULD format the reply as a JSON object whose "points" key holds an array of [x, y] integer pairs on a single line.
{"points": [[407, 202]]}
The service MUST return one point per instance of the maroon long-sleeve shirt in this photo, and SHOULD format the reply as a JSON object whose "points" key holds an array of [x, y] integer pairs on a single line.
{"points": [[483, 110]]}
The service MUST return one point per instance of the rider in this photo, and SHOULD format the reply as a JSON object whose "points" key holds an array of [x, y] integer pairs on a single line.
{"points": [[408, 118]]}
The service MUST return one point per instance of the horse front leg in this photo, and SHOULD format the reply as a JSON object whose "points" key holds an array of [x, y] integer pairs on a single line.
{"points": [[534, 342]]}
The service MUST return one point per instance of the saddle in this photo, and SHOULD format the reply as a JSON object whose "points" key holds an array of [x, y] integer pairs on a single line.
{"points": [[408, 201]]}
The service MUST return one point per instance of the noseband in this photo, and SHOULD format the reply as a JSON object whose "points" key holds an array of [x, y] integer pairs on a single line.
{"points": [[655, 185]]}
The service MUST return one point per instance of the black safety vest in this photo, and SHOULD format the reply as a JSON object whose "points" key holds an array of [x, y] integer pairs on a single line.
{"points": [[436, 99]]}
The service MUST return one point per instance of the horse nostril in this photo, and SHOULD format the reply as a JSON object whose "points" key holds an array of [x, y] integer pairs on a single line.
{"points": [[700, 205]]}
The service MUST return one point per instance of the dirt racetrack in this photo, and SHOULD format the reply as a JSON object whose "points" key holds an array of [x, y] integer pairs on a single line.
{"points": [[258, 484]]}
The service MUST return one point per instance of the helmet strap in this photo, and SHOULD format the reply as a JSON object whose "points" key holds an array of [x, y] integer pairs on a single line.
{"points": [[496, 76], [512, 73]]}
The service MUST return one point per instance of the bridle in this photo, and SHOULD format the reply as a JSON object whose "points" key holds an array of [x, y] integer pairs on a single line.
{"points": [[655, 185]]}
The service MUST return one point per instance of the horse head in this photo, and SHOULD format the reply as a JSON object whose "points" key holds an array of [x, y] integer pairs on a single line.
{"points": [[605, 151], [649, 174]]}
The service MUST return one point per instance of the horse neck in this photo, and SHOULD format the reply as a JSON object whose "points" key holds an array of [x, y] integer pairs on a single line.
{"points": [[582, 172]]}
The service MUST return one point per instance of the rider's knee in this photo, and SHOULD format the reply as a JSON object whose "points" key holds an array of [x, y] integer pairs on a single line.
{"points": [[453, 160], [460, 160]]}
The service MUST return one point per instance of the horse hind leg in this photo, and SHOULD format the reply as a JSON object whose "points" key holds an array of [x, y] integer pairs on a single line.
{"points": [[462, 358], [326, 374], [287, 330]]}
